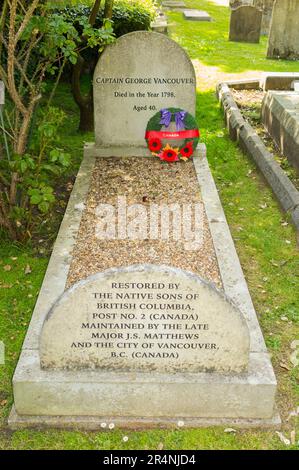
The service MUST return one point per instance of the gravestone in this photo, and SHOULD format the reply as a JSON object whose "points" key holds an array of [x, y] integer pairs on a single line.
{"points": [[280, 116], [143, 344], [134, 79], [267, 7], [173, 4], [196, 15], [156, 303], [159, 25], [284, 33], [245, 24], [2, 96], [278, 80]]}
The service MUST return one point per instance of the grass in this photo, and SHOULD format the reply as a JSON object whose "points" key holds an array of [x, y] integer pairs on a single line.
{"points": [[265, 243], [208, 42]]}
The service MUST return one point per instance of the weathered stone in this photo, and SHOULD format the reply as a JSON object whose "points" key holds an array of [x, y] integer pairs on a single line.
{"points": [[2, 96], [284, 33], [280, 116], [153, 399], [135, 78], [267, 8], [239, 3], [159, 25], [145, 318], [251, 143], [278, 80], [196, 15], [245, 24], [173, 4]]}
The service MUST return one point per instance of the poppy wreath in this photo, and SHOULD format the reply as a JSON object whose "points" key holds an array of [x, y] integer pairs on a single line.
{"points": [[186, 129]]}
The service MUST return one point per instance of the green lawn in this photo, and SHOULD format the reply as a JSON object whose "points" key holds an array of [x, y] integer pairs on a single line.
{"points": [[264, 239]]}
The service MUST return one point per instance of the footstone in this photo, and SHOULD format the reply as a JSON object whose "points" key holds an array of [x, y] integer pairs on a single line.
{"points": [[133, 80], [278, 80], [196, 15], [164, 307], [245, 24], [2, 99], [280, 115], [284, 32]]}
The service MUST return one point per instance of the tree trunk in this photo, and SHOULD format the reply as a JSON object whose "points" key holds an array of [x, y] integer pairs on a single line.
{"points": [[85, 102], [86, 116], [108, 9]]}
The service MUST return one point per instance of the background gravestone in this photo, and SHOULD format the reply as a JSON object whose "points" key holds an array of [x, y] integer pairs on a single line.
{"points": [[267, 7], [280, 116], [173, 4], [245, 24], [137, 76], [196, 15], [284, 33]]}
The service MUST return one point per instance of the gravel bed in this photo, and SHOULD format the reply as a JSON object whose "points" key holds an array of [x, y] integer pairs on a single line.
{"points": [[143, 181]]}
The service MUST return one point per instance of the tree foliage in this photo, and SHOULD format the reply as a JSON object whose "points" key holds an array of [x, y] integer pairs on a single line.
{"points": [[34, 43]]}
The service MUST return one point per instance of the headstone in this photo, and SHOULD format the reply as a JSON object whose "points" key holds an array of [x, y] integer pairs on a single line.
{"points": [[137, 76], [196, 15], [245, 24], [280, 115], [267, 7], [284, 33], [173, 4], [159, 25], [278, 80], [2, 93], [160, 309]]}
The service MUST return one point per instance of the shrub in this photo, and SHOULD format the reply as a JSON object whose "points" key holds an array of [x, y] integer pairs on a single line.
{"points": [[128, 15]]}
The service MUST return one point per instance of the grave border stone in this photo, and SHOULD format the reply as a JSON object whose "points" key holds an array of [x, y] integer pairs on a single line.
{"points": [[44, 397]]}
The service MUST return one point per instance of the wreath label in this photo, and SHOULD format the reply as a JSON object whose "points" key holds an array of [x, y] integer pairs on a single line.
{"points": [[186, 130]]}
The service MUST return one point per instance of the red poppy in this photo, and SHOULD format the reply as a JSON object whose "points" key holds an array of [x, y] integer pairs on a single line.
{"points": [[187, 150], [169, 155], [154, 145]]}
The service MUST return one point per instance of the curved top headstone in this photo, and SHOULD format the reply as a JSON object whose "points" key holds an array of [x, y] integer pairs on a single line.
{"points": [[143, 318], [141, 73], [245, 24]]}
